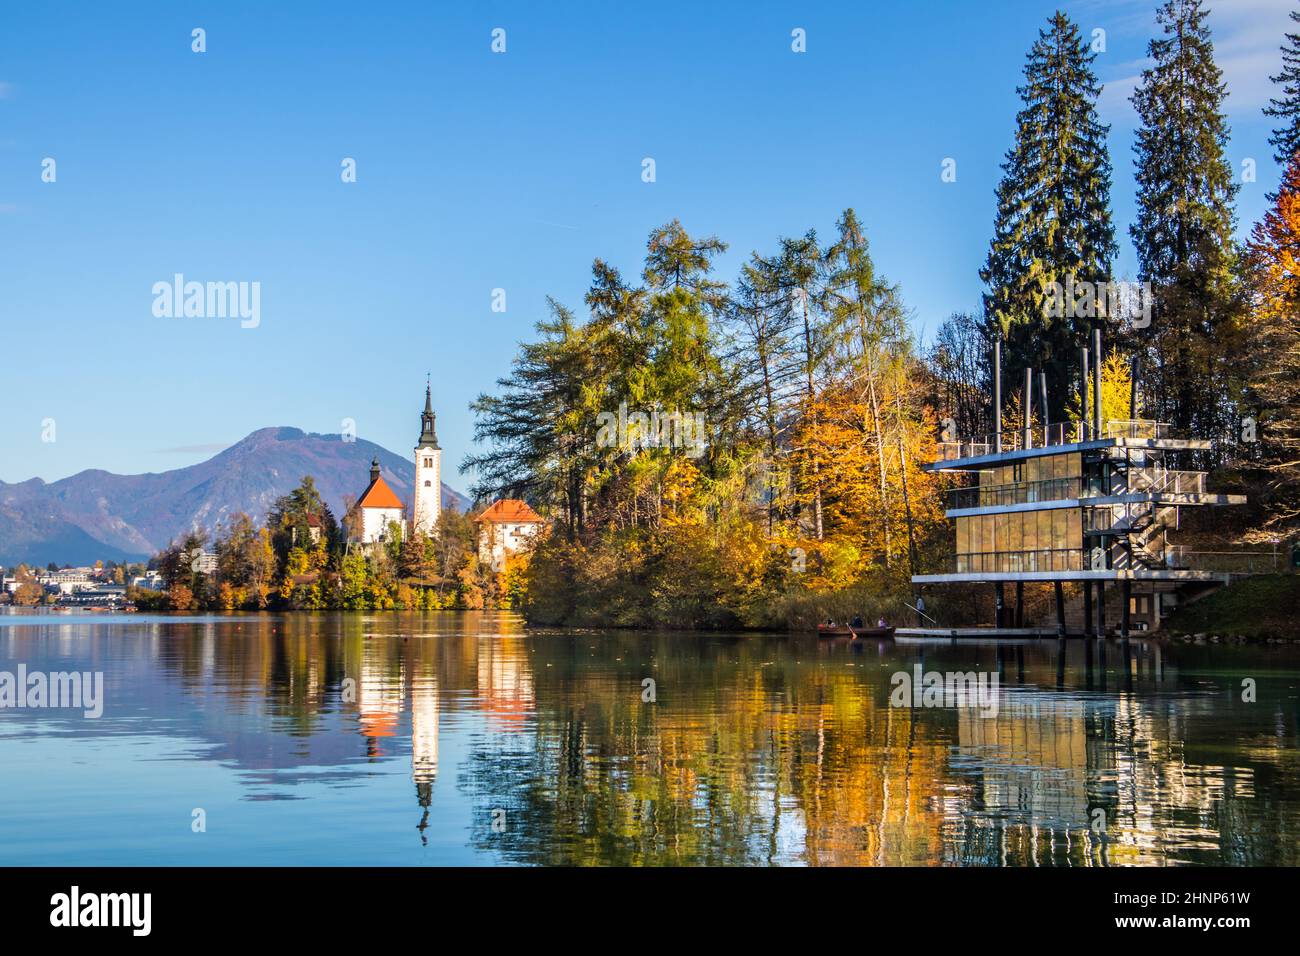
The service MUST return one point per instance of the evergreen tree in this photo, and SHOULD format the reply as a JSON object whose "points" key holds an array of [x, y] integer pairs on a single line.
{"points": [[1053, 223], [1184, 227], [1286, 138], [1274, 338], [542, 427]]}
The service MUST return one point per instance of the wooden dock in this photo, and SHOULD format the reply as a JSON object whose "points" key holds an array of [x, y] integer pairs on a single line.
{"points": [[906, 635]]}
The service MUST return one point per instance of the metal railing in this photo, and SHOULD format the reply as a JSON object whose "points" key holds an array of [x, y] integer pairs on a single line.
{"points": [[1014, 493], [986, 562], [1058, 433], [1127, 518], [1178, 483], [1233, 562], [1064, 489], [1136, 428]]}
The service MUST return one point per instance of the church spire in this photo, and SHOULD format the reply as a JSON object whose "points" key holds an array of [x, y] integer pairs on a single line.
{"points": [[428, 437]]}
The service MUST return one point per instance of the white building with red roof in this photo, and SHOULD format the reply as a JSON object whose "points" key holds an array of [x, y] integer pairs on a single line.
{"points": [[376, 510], [504, 528]]}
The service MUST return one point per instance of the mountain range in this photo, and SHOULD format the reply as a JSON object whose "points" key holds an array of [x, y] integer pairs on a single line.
{"points": [[99, 515]]}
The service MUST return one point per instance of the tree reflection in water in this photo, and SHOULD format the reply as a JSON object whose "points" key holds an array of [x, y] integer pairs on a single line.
{"points": [[758, 749]]}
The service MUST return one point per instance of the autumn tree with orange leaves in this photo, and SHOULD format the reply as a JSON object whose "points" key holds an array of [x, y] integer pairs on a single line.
{"points": [[1273, 257]]}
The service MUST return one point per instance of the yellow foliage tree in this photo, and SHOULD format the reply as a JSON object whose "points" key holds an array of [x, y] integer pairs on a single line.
{"points": [[1273, 333], [1116, 393]]}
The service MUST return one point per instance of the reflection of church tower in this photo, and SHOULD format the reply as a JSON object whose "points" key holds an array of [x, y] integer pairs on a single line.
{"points": [[428, 472], [424, 746]]}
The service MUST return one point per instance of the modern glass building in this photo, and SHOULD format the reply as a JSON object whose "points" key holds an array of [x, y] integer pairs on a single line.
{"points": [[1091, 504]]}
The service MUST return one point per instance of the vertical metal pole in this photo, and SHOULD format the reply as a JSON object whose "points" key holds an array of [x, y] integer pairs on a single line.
{"points": [[1060, 609], [1101, 608], [1087, 608], [1042, 402], [1135, 372], [1096, 378], [1027, 408], [1126, 594], [1084, 414], [997, 393]]}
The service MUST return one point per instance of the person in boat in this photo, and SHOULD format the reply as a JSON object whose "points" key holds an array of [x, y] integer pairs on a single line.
{"points": [[857, 620], [881, 624]]}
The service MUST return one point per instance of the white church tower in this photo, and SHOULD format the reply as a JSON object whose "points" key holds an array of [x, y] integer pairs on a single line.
{"points": [[428, 472]]}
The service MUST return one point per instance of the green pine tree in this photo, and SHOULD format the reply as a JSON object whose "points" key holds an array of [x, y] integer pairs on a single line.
{"points": [[1286, 107], [1053, 225], [1184, 227]]}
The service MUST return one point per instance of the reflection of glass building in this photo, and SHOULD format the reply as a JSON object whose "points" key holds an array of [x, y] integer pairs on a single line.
{"points": [[1091, 503], [1033, 757]]}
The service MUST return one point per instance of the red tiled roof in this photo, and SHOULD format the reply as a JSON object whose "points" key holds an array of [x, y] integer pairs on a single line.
{"points": [[379, 495], [510, 511]]}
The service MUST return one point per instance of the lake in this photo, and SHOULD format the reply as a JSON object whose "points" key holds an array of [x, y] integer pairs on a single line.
{"points": [[464, 738]]}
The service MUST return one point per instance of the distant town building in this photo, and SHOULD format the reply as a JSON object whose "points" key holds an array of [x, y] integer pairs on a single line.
{"points": [[150, 581], [97, 594], [66, 581], [505, 528]]}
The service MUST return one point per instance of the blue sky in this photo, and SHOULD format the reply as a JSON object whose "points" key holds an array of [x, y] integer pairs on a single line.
{"points": [[476, 171]]}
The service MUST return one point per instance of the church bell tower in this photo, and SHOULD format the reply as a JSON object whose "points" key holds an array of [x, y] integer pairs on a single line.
{"points": [[428, 472]]}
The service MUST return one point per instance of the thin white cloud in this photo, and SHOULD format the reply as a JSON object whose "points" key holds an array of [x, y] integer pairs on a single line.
{"points": [[1247, 34], [6, 91]]}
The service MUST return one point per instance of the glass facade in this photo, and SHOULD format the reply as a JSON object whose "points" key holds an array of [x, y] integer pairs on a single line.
{"points": [[1043, 540], [1045, 468]]}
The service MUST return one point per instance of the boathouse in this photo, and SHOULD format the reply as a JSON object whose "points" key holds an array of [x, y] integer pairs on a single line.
{"points": [[1087, 505]]}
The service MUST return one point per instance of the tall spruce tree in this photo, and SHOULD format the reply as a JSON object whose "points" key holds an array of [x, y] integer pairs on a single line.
{"points": [[1286, 107], [1053, 220], [1184, 227]]}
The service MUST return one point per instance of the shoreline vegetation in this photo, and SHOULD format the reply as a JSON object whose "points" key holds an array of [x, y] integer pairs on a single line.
{"points": [[744, 455]]}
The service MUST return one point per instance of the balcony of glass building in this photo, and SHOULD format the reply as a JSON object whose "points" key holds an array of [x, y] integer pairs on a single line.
{"points": [[1145, 481], [1172, 558], [1058, 433], [1017, 562]]}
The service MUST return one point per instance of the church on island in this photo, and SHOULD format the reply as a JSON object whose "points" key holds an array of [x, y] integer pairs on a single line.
{"points": [[504, 528], [379, 508]]}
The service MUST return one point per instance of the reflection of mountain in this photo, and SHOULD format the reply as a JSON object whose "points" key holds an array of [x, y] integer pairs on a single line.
{"points": [[757, 750]]}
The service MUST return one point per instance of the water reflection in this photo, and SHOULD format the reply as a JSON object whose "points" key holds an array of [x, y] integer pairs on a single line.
{"points": [[462, 738]]}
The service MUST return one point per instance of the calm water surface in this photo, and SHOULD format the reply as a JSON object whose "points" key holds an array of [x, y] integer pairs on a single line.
{"points": [[463, 739]]}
